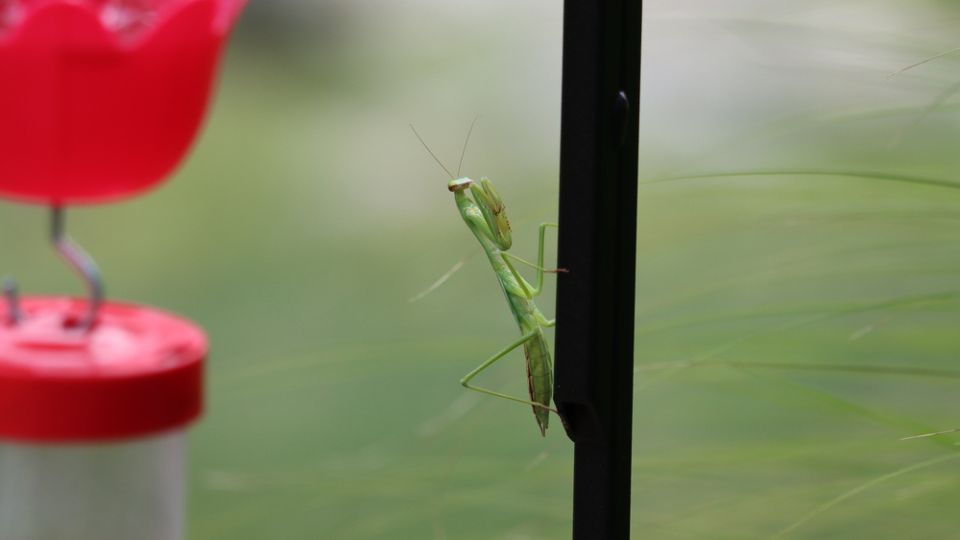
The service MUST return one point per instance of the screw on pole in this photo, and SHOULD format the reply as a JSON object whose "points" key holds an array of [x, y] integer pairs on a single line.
{"points": [[597, 243]]}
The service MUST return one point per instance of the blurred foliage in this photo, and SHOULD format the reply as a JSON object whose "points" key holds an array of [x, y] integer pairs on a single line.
{"points": [[790, 329]]}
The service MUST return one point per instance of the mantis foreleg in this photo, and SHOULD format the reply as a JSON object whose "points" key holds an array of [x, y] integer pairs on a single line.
{"points": [[465, 381]]}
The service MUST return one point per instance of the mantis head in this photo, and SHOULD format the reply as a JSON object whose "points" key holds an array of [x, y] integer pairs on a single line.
{"points": [[485, 198], [459, 184]]}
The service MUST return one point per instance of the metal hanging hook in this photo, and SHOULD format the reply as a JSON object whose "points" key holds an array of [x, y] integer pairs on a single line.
{"points": [[12, 296], [81, 262]]}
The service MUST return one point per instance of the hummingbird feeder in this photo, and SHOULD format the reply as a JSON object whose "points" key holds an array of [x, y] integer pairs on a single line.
{"points": [[101, 99]]}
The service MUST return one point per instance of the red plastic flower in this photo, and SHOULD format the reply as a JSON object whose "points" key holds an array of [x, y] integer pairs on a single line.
{"points": [[100, 99]]}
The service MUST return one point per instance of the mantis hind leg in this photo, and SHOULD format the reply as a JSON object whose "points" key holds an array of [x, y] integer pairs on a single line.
{"points": [[465, 381]]}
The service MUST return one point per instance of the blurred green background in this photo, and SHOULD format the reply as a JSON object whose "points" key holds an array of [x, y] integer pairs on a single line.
{"points": [[790, 329]]}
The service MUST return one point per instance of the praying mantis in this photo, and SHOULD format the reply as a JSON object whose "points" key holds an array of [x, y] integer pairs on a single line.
{"points": [[482, 209]]}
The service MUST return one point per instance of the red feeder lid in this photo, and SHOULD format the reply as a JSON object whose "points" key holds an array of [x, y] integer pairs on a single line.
{"points": [[138, 372]]}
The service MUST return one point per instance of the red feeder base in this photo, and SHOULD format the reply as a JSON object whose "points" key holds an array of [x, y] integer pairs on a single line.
{"points": [[138, 372]]}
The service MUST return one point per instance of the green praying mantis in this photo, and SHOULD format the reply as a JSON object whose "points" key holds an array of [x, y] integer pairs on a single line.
{"points": [[482, 209]]}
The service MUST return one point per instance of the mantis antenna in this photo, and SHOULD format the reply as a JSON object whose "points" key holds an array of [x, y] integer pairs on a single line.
{"points": [[434, 156], [456, 267], [466, 142], [463, 152]]}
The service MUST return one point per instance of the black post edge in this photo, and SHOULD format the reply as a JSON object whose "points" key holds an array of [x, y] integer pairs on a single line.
{"points": [[597, 244]]}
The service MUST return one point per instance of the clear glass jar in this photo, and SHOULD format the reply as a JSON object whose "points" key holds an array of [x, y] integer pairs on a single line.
{"points": [[131, 490]]}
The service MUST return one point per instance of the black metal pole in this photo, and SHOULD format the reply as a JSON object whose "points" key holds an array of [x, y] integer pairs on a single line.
{"points": [[597, 244]]}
